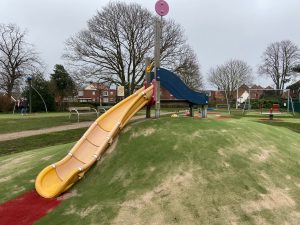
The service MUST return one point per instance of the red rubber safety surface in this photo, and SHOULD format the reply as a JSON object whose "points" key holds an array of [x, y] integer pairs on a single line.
{"points": [[26, 209]]}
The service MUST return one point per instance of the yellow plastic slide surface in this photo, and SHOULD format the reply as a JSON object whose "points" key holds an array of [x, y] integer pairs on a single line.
{"points": [[58, 177]]}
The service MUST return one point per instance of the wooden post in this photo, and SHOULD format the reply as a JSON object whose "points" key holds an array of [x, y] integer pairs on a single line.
{"points": [[204, 111], [191, 110]]}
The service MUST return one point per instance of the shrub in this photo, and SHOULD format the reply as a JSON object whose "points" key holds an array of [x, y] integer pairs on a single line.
{"points": [[6, 104]]}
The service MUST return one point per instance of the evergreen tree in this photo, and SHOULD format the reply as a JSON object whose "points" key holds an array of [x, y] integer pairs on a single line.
{"points": [[40, 90], [62, 84]]}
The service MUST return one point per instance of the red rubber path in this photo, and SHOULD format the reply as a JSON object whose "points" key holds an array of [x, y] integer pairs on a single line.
{"points": [[26, 209]]}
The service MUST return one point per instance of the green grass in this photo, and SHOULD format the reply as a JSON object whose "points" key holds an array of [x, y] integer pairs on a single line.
{"points": [[289, 125], [40, 141], [178, 171], [18, 171], [16, 123]]}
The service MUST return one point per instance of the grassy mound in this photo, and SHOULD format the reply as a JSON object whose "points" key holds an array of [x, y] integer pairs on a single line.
{"points": [[178, 171]]}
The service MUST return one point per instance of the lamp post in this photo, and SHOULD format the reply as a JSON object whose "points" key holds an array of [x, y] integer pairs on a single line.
{"points": [[29, 80], [237, 97]]}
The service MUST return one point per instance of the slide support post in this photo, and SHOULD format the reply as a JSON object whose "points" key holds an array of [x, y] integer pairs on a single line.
{"points": [[147, 78]]}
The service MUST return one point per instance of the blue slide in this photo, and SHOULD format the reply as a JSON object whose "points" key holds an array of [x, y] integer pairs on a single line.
{"points": [[179, 90]]}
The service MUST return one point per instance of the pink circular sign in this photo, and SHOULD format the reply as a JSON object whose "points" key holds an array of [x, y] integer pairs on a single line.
{"points": [[162, 7]]}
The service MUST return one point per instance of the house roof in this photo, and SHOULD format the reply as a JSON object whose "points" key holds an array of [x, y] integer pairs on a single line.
{"points": [[269, 87], [295, 85]]}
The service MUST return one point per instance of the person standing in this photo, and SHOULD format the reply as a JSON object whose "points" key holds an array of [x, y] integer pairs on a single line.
{"points": [[23, 106]]}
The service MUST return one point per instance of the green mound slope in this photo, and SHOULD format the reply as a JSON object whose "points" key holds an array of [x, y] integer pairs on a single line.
{"points": [[180, 171]]}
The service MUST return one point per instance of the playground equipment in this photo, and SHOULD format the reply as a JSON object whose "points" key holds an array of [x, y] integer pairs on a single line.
{"points": [[60, 176], [279, 106]]}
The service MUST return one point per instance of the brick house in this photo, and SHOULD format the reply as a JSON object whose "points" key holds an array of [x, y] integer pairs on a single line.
{"points": [[256, 91], [294, 89], [97, 93], [166, 95]]}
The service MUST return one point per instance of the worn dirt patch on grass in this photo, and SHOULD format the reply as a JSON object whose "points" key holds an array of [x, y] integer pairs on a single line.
{"points": [[222, 118], [68, 195], [46, 158], [82, 213], [275, 199], [13, 174], [145, 132], [222, 152], [273, 120], [14, 162], [148, 208], [4, 179], [264, 155], [113, 146], [109, 151]]}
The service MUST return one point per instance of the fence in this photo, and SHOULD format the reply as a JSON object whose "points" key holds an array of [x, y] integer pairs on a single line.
{"points": [[297, 107]]}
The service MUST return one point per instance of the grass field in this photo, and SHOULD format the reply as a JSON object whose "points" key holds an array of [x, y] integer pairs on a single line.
{"points": [[40, 141], [178, 171], [15, 123]]}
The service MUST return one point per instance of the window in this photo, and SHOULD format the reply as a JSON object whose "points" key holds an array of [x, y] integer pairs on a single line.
{"points": [[94, 92], [105, 93], [105, 100], [80, 93], [111, 93]]}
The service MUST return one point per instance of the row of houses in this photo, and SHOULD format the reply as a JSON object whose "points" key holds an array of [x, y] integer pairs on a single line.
{"points": [[99, 93]]}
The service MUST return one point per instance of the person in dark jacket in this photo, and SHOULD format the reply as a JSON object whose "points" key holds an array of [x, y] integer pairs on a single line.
{"points": [[23, 106]]}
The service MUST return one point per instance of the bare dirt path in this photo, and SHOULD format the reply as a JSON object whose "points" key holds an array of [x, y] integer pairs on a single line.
{"points": [[21, 134]]}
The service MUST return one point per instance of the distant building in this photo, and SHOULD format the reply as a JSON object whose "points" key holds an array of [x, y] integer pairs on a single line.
{"points": [[295, 89], [97, 93], [166, 95], [240, 95]]}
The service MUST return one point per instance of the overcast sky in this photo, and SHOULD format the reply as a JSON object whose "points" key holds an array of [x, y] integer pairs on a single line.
{"points": [[216, 29]]}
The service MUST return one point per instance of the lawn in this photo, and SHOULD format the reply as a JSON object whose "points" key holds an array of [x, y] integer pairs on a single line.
{"points": [[15, 123], [40, 141], [178, 171]]}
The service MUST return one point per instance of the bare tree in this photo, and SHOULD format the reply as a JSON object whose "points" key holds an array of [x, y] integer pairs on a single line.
{"points": [[279, 59], [116, 42], [17, 57], [229, 76], [296, 69], [189, 70]]}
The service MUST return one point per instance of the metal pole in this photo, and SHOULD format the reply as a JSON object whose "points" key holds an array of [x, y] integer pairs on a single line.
{"points": [[30, 92], [249, 105], [288, 106], [237, 95], [157, 65], [147, 79], [41, 98]]}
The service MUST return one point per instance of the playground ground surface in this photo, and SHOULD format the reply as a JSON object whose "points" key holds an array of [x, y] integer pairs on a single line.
{"points": [[220, 170]]}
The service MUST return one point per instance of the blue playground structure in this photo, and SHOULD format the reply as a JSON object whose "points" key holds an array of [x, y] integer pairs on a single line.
{"points": [[179, 90]]}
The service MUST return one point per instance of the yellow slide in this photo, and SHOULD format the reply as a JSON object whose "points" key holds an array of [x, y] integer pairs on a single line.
{"points": [[58, 177]]}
